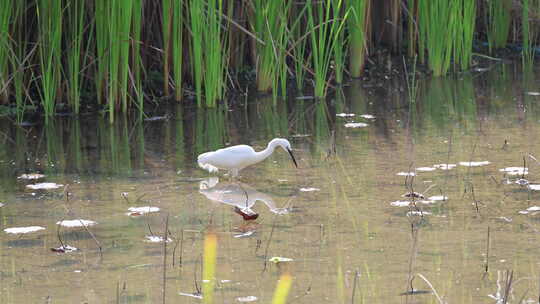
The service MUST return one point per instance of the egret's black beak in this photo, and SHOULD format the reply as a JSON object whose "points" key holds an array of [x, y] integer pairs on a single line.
{"points": [[292, 156]]}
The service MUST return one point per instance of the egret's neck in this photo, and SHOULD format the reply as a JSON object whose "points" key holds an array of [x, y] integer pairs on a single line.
{"points": [[266, 152]]}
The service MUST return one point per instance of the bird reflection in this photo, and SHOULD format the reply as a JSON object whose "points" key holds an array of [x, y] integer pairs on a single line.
{"points": [[239, 195]]}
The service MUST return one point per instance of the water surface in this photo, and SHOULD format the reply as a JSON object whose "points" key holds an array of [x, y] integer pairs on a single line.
{"points": [[333, 216]]}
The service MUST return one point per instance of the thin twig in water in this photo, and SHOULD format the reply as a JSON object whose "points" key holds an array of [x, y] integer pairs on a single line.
{"points": [[354, 286], [508, 285], [432, 289], [487, 251], [181, 241], [93, 237], [165, 238], [268, 245]]}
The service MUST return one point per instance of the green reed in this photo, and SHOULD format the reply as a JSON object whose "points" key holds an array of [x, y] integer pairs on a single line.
{"points": [[412, 27], [529, 31], [101, 18], [357, 29], [465, 16], [269, 19], [50, 19], [119, 30], [167, 17], [177, 46], [197, 27], [437, 21], [76, 21], [136, 60], [339, 46], [6, 12], [324, 33], [499, 20], [20, 58], [214, 59], [298, 47]]}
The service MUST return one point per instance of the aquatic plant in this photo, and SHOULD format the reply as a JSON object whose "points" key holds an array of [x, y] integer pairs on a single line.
{"points": [[50, 20], [357, 25], [499, 18], [325, 30], [75, 55], [6, 12]]}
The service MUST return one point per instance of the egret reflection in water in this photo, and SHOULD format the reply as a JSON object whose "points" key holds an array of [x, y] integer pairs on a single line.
{"points": [[239, 195]]}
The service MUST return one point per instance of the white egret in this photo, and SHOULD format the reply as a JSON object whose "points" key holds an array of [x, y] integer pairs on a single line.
{"points": [[238, 157]]}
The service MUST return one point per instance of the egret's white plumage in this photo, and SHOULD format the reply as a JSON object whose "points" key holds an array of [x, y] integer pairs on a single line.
{"points": [[238, 157]]}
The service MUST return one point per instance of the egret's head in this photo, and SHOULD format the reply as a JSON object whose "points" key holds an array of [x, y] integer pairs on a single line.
{"points": [[286, 145]]}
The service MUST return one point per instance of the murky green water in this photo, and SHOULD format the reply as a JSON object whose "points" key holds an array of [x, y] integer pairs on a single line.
{"points": [[344, 226]]}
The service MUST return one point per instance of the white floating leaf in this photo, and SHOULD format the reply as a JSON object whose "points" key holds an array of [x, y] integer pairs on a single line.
{"points": [[406, 174], [445, 166], [31, 176], [533, 93], [438, 198], [247, 299], [156, 239], [534, 187], [515, 171], [426, 169], [356, 125], [475, 164], [367, 116], [309, 189], [279, 259], [76, 223], [135, 211], [1, 205], [418, 213], [44, 186], [192, 295], [19, 230], [345, 115], [400, 203]]}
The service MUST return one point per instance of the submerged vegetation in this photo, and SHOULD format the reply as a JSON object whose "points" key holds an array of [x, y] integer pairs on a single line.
{"points": [[79, 56]]}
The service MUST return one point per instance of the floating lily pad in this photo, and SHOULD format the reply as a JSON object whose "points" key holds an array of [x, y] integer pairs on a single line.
{"points": [[279, 259], [475, 163], [76, 223], [309, 189], [138, 211], [534, 187], [532, 209], [406, 174], [247, 299], [367, 116], [438, 198], [64, 249], [156, 239], [31, 176], [356, 125], [192, 295], [21, 230], [44, 186], [426, 169], [400, 203], [533, 93], [515, 170], [345, 115], [445, 166]]}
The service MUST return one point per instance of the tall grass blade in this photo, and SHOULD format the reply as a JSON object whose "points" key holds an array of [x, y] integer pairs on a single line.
{"points": [[209, 267], [282, 289]]}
